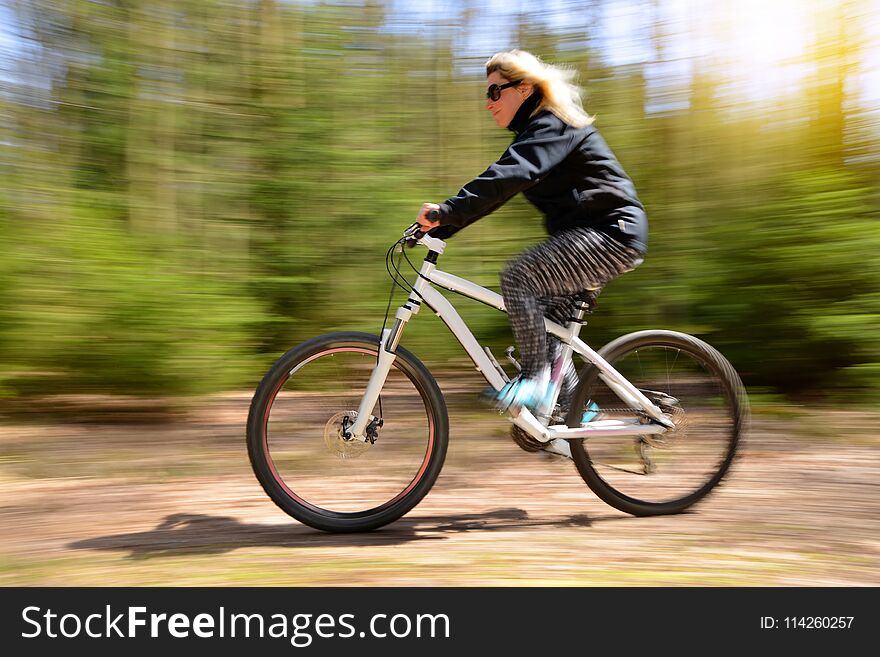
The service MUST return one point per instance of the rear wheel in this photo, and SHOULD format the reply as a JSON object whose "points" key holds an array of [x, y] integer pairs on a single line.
{"points": [[662, 473], [296, 439]]}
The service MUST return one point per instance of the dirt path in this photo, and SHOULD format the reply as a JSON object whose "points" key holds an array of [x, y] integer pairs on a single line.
{"points": [[176, 504]]}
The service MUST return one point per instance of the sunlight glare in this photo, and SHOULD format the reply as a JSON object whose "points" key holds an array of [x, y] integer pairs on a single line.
{"points": [[765, 45]]}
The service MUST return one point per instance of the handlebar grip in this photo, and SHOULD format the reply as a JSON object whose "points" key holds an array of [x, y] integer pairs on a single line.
{"points": [[417, 233]]}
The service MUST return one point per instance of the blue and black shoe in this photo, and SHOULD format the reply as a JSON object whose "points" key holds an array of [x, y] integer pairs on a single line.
{"points": [[530, 393], [591, 413]]}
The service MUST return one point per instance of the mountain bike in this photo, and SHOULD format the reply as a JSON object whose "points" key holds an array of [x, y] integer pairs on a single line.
{"points": [[348, 431]]}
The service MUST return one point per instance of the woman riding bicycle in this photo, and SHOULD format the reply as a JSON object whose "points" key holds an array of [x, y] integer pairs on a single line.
{"points": [[597, 226]]}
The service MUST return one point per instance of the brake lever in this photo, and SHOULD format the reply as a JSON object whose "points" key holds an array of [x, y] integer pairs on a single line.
{"points": [[412, 235]]}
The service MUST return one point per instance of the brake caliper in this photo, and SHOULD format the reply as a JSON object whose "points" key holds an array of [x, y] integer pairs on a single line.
{"points": [[372, 430]]}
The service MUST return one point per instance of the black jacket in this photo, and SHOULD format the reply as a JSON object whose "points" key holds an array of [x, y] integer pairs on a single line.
{"points": [[569, 174]]}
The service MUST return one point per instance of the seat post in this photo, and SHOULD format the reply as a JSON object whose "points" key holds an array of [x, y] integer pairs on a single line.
{"points": [[582, 306]]}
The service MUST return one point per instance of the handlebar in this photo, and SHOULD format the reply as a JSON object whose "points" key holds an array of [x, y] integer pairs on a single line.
{"points": [[414, 232], [415, 235]]}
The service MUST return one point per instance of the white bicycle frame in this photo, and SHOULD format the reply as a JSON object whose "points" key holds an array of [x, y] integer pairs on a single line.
{"points": [[535, 425]]}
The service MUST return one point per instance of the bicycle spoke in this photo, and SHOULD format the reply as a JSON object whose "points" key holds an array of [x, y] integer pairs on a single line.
{"points": [[317, 464], [663, 468]]}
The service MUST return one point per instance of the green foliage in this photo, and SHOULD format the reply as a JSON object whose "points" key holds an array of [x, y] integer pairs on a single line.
{"points": [[794, 286], [193, 187], [88, 307]]}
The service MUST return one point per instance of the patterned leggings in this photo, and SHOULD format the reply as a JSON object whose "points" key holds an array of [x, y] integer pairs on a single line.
{"points": [[545, 280]]}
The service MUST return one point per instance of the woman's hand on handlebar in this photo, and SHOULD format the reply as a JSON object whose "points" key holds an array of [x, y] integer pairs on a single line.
{"points": [[426, 224]]}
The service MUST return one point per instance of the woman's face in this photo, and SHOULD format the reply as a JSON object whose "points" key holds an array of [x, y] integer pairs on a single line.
{"points": [[504, 109]]}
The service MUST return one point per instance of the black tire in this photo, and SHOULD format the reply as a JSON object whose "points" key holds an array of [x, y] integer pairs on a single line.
{"points": [[712, 415], [299, 416]]}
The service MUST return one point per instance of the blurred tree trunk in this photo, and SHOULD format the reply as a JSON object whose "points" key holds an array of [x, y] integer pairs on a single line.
{"points": [[834, 55]]}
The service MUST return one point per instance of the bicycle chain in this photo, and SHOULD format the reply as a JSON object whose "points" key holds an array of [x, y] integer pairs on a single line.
{"points": [[526, 442], [607, 411]]}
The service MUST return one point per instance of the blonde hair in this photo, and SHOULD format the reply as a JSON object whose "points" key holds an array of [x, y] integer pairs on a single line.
{"points": [[560, 95]]}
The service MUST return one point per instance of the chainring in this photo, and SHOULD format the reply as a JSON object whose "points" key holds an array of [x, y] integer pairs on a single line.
{"points": [[525, 441]]}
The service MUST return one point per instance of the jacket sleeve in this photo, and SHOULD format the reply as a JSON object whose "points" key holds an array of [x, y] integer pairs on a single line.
{"points": [[543, 145]]}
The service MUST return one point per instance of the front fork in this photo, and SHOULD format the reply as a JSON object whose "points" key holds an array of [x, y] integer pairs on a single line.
{"points": [[387, 353]]}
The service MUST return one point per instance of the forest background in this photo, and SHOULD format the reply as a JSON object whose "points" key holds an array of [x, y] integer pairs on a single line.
{"points": [[191, 187]]}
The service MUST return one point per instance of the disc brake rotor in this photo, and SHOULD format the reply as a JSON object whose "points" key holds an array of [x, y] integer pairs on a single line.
{"points": [[342, 448], [666, 439]]}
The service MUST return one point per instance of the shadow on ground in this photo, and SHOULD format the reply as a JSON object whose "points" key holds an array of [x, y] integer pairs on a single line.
{"points": [[183, 533]]}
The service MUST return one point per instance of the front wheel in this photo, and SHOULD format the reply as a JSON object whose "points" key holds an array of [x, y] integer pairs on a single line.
{"points": [[665, 473], [296, 427]]}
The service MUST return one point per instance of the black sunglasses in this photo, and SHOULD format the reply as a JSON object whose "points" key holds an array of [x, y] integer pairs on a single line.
{"points": [[494, 90]]}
